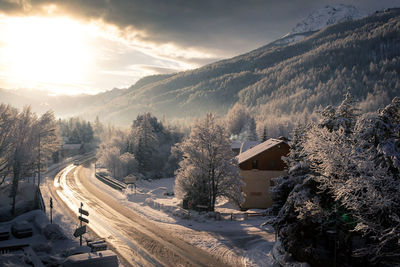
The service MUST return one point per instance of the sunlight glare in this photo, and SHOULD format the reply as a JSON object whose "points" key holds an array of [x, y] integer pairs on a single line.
{"points": [[46, 50]]}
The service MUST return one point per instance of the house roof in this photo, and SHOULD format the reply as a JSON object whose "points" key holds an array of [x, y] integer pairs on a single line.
{"points": [[247, 145], [71, 146], [248, 154], [236, 144]]}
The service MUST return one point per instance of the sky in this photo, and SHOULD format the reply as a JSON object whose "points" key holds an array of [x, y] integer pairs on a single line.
{"points": [[71, 46]]}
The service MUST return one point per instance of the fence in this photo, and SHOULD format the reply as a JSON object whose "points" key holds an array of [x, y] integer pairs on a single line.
{"points": [[111, 182]]}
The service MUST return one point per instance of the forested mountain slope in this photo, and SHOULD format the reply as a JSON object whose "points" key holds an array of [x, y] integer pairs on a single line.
{"points": [[363, 55], [275, 81]]}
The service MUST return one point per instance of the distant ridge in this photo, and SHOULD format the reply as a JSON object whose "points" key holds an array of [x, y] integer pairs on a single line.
{"points": [[278, 79]]}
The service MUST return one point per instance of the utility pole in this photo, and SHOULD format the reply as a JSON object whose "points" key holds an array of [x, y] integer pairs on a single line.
{"points": [[51, 210], [80, 237], [52, 130]]}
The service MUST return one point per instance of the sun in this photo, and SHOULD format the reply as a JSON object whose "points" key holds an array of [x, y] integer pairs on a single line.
{"points": [[38, 50]]}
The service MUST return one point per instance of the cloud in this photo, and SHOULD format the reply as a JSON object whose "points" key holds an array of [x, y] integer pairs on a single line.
{"points": [[223, 27]]}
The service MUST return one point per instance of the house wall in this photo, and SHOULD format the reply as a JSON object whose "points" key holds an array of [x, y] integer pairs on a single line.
{"points": [[269, 165], [269, 160], [256, 190]]}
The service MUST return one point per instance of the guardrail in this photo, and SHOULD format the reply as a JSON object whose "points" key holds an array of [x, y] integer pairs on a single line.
{"points": [[111, 182], [40, 201]]}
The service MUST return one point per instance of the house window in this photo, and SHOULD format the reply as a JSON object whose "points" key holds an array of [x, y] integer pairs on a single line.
{"points": [[254, 164]]}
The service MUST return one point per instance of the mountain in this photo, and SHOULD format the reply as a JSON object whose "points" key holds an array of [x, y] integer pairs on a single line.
{"points": [[329, 15], [362, 55], [274, 81], [318, 19]]}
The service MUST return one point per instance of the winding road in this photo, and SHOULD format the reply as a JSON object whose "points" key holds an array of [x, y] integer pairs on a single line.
{"points": [[139, 241]]}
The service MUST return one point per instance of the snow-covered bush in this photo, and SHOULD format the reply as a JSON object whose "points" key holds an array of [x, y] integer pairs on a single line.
{"points": [[343, 189]]}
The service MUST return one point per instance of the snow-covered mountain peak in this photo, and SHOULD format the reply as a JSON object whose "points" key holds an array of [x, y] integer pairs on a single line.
{"points": [[328, 15]]}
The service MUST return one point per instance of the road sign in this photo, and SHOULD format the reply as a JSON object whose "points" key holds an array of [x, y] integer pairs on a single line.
{"points": [[83, 219], [130, 179], [84, 212], [80, 231]]}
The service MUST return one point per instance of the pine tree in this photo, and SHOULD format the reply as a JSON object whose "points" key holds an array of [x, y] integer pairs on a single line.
{"points": [[351, 189], [146, 142]]}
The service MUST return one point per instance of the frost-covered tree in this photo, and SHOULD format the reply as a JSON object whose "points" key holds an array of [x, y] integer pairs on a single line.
{"points": [[343, 116], [151, 144], [343, 202], [113, 154], [8, 117], [240, 124], [299, 168], [19, 143], [209, 168]]}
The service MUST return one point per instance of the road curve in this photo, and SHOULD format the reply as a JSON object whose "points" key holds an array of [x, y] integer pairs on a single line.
{"points": [[138, 240]]}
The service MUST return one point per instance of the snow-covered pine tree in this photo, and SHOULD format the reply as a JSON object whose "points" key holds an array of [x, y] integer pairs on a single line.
{"points": [[209, 168], [299, 168], [345, 209], [146, 142]]}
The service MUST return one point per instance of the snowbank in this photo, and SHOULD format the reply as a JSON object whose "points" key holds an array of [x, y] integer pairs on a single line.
{"points": [[25, 200], [47, 244]]}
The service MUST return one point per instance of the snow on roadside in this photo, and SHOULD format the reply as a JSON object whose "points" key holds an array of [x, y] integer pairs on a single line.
{"points": [[238, 243], [48, 242]]}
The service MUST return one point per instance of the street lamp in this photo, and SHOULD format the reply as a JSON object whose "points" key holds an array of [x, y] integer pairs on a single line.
{"points": [[44, 132]]}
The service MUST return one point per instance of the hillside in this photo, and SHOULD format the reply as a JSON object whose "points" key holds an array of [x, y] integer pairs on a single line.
{"points": [[275, 81], [362, 55]]}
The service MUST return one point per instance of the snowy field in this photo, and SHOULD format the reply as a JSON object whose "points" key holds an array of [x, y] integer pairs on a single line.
{"points": [[240, 242]]}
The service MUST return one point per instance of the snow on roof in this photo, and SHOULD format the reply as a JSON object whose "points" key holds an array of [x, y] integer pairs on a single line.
{"points": [[236, 144], [71, 146], [254, 151], [247, 145]]}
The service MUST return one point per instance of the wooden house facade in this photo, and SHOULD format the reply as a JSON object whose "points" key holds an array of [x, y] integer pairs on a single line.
{"points": [[258, 166]]}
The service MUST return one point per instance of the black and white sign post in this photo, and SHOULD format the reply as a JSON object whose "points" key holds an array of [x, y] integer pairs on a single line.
{"points": [[82, 229]]}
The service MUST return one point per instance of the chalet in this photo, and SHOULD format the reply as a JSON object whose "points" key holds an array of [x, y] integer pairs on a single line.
{"points": [[257, 166]]}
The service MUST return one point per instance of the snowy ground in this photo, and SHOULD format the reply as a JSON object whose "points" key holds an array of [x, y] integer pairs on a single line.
{"points": [[50, 243], [241, 242]]}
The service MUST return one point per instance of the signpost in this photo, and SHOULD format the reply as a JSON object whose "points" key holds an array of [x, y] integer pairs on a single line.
{"points": [[82, 229]]}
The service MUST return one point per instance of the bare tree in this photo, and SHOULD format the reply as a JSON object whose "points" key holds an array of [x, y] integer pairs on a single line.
{"points": [[25, 144]]}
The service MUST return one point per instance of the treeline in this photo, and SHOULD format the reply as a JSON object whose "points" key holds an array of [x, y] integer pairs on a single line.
{"points": [[143, 150], [22, 134], [76, 130], [148, 149]]}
